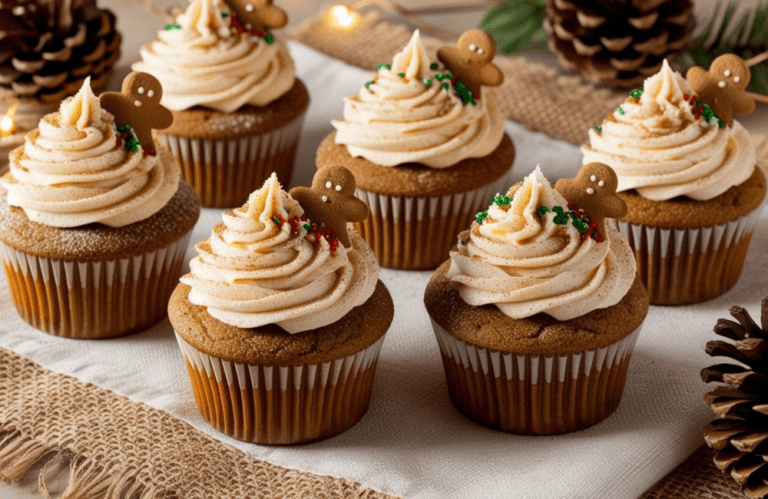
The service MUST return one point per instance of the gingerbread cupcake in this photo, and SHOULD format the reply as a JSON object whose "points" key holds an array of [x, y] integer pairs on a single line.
{"points": [[687, 173], [427, 148], [93, 230], [538, 308], [282, 315], [238, 107]]}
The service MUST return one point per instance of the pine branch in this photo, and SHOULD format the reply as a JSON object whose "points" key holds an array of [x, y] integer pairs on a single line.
{"points": [[516, 24]]}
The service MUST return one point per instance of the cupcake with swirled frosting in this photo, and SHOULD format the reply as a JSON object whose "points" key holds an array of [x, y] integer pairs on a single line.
{"points": [[691, 184], [537, 310], [232, 88], [426, 152], [282, 317], [92, 233]]}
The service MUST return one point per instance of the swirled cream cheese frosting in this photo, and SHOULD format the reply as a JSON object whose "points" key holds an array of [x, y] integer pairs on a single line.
{"points": [[658, 146], [401, 119], [74, 171], [256, 269], [206, 63], [525, 263]]}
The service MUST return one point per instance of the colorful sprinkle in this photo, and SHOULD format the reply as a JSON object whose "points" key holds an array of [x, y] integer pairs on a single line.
{"points": [[463, 243], [434, 66], [169, 27], [636, 93], [268, 38], [542, 211], [379, 66], [501, 200], [620, 110], [401, 75], [368, 84], [426, 81], [599, 128], [445, 86], [225, 14], [480, 217], [466, 96]]}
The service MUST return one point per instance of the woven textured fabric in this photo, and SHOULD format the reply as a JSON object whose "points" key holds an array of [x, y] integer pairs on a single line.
{"points": [[120, 448], [696, 478], [538, 97]]}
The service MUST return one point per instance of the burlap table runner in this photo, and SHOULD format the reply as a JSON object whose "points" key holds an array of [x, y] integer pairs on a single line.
{"points": [[118, 448]]}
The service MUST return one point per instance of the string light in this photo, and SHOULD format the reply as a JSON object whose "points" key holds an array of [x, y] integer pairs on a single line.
{"points": [[7, 125], [343, 17]]}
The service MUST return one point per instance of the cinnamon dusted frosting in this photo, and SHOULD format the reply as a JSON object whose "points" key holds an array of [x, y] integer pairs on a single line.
{"points": [[252, 271], [526, 264], [657, 146], [206, 63], [398, 120], [71, 171]]}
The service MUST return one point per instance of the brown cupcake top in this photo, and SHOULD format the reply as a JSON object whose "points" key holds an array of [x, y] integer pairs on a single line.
{"points": [[202, 123], [412, 179], [96, 241], [682, 211], [488, 327], [270, 345]]}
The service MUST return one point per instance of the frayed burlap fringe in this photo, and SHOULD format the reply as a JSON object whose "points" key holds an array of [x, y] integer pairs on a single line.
{"points": [[534, 95], [117, 448]]}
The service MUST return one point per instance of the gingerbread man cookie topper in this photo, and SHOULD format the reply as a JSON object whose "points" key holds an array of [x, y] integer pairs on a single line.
{"points": [[471, 60], [594, 191], [138, 105], [724, 86], [331, 200], [258, 14]]}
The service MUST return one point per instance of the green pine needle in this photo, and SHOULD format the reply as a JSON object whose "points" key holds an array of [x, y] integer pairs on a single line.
{"points": [[516, 24]]}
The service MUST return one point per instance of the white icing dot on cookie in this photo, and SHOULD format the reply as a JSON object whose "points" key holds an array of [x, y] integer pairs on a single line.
{"points": [[590, 190], [721, 84], [338, 188], [480, 51], [601, 183], [727, 72], [328, 185], [325, 199], [592, 178], [249, 8], [141, 90], [248, 26], [150, 93], [137, 103], [736, 79], [472, 47]]}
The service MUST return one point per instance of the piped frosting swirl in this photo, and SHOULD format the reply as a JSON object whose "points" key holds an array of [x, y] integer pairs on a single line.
{"points": [[207, 64], [400, 119], [73, 170], [658, 146], [525, 263], [253, 271]]}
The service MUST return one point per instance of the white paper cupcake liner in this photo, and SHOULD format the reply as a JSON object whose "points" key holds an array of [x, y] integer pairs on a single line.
{"points": [[224, 172], [282, 404], [417, 232], [535, 394], [691, 265], [93, 298]]}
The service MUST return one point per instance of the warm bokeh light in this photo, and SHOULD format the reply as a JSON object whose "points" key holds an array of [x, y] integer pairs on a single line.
{"points": [[342, 16], [7, 126]]}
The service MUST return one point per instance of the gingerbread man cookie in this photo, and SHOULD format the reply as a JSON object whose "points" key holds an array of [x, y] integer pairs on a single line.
{"points": [[258, 14], [594, 191], [724, 86], [331, 200], [470, 60], [138, 105]]}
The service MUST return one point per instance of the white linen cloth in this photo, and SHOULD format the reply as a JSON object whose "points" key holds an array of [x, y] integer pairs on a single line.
{"points": [[413, 442]]}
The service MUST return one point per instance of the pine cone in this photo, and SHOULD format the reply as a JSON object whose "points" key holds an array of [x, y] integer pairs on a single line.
{"points": [[619, 42], [740, 435], [49, 47]]}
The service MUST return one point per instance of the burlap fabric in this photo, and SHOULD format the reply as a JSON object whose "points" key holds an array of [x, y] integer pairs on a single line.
{"points": [[117, 448], [538, 97]]}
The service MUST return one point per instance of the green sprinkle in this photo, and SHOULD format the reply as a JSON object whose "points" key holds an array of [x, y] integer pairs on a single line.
{"points": [[426, 81], [620, 110], [307, 226], [401, 75], [445, 86], [368, 84], [501, 200], [276, 220], [225, 14], [636, 93], [286, 209], [379, 66], [463, 243], [543, 210], [434, 66], [578, 222], [169, 27], [268, 38], [439, 76], [599, 128], [561, 218], [480, 217]]}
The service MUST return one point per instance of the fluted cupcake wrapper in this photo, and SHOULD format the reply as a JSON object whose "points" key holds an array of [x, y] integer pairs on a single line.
{"points": [[417, 232], [282, 404], [535, 394], [92, 299], [681, 266], [224, 172]]}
